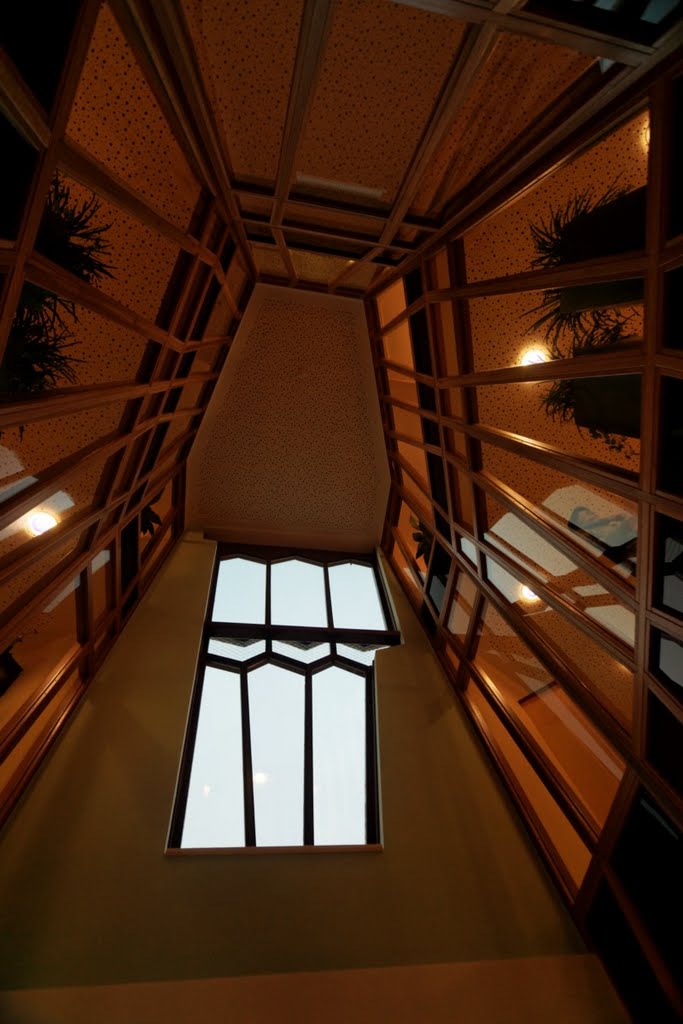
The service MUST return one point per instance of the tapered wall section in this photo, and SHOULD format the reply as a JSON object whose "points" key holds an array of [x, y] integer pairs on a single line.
{"points": [[91, 899]]}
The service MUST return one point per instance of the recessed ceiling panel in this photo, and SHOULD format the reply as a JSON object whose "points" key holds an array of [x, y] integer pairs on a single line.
{"points": [[290, 449], [383, 68], [520, 80], [246, 53]]}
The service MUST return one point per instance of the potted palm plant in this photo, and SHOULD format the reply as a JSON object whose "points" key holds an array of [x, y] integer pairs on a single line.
{"points": [[36, 357]]}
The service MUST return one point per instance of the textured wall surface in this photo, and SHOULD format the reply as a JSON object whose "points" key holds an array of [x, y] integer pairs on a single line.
{"points": [[291, 447]]}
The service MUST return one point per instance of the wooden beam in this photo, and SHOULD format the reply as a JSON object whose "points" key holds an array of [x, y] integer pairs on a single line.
{"points": [[476, 48], [78, 164], [316, 22], [20, 107], [551, 31], [163, 45]]}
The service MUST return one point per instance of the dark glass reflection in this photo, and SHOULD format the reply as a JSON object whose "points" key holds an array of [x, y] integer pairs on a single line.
{"points": [[648, 860], [667, 661], [669, 565], [670, 475]]}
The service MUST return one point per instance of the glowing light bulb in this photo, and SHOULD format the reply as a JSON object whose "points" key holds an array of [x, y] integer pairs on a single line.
{"points": [[527, 594], [40, 522], [645, 136], [260, 778], [534, 355]]}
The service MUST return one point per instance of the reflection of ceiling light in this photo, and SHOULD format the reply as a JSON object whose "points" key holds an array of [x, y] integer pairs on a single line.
{"points": [[206, 790], [534, 355], [645, 136], [41, 522], [260, 778], [527, 594]]}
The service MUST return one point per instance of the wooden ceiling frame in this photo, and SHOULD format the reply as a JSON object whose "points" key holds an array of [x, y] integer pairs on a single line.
{"points": [[473, 53], [316, 22], [160, 38]]}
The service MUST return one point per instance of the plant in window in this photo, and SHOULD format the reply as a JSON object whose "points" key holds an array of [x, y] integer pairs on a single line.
{"points": [[149, 519], [582, 320], [423, 538], [36, 357]]}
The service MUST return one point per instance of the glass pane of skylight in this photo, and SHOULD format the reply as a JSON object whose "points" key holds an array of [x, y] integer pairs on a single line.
{"points": [[364, 655], [240, 592], [297, 594], [276, 714], [355, 599], [214, 813], [237, 649], [301, 650], [338, 757]]}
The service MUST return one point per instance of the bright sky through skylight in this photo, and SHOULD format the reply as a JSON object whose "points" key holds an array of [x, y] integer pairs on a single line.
{"points": [[297, 594], [215, 805], [214, 814], [240, 591], [338, 757], [355, 601], [276, 713]]}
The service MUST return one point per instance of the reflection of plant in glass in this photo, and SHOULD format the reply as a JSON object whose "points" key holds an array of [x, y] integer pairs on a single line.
{"points": [[423, 538], [35, 359], [149, 519], [577, 321]]}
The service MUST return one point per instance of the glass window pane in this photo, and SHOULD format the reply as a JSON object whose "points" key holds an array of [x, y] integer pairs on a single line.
{"points": [[609, 680], [237, 650], [669, 565], [276, 716], [520, 542], [339, 757], [240, 592], [355, 598], [577, 750], [301, 650], [561, 833], [297, 594], [461, 608], [214, 813], [603, 525], [591, 417]]}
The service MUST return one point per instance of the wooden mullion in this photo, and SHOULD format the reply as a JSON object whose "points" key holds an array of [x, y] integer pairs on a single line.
{"points": [[581, 820], [308, 822], [20, 106], [78, 164], [43, 272], [583, 469], [529, 812], [247, 766], [582, 692], [623, 361], [524, 510]]}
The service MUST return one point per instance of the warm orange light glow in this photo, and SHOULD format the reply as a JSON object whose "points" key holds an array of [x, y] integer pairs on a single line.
{"points": [[533, 355], [527, 594], [41, 522]]}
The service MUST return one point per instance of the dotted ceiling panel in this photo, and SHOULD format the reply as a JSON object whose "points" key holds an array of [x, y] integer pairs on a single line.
{"points": [[141, 261], [246, 53], [291, 447], [315, 267], [381, 74], [116, 118], [503, 244], [521, 78]]}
